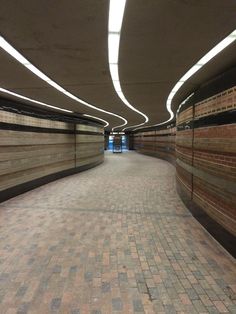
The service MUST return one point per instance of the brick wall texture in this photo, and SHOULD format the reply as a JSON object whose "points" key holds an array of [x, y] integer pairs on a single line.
{"points": [[159, 144], [205, 156]]}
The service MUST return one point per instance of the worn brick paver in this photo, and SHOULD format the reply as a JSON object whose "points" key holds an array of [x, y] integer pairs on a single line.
{"points": [[113, 239]]}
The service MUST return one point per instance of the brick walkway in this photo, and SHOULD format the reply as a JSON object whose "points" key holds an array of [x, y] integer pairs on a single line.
{"points": [[114, 239]]}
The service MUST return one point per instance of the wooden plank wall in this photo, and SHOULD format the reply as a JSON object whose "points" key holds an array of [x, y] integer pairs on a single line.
{"points": [[89, 148], [31, 147]]}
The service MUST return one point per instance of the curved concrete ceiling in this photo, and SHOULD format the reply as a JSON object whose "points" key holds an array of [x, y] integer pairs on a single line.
{"points": [[160, 41]]}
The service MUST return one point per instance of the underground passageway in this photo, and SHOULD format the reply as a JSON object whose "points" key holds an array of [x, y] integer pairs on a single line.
{"points": [[114, 239], [118, 157]]}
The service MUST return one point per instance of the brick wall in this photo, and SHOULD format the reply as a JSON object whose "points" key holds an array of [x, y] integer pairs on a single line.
{"points": [[203, 148], [206, 156], [158, 143]]}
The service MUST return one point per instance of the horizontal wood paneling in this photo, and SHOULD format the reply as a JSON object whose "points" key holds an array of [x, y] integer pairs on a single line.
{"points": [[18, 152], [89, 128], [84, 138], [19, 177], [40, 147], [16, 138]]}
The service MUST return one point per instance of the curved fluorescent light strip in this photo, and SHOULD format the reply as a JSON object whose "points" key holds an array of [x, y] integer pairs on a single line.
{"points": [[104, 121], [205, 59], [116, 12], [6, 91], [20, 58]]}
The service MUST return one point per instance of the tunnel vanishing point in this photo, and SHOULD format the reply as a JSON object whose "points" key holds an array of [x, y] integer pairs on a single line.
{"points": [[117, 156]]}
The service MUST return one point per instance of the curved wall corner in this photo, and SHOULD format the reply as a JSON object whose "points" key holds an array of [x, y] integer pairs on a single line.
{"points": [[38, 146], [158, 143], [205, 156]]}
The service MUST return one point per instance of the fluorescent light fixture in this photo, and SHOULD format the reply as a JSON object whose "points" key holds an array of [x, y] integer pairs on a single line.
{"points": [[217, 49], [116, 12], [12, 51], [37, 72], [114, 71], [104, 121], [114, 133], [58, 87], [117, 86], [177, 86], [20, 58], [6, 91], [196, 67], [113, 44], [233, 34], [190, 73]]}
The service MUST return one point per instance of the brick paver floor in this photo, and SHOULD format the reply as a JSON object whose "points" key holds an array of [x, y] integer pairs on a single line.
{"points": [[113, 239]]}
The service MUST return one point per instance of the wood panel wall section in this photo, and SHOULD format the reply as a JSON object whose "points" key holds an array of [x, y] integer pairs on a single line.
{"points": [[34, 148], [89, 148], [158, 143]]}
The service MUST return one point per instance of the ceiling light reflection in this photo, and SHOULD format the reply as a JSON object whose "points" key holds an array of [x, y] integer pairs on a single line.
{"points": [[6, 91], [104, 121]]}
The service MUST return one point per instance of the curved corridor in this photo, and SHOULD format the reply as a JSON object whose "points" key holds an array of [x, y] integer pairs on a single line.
{"points": [[113, 239]]}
